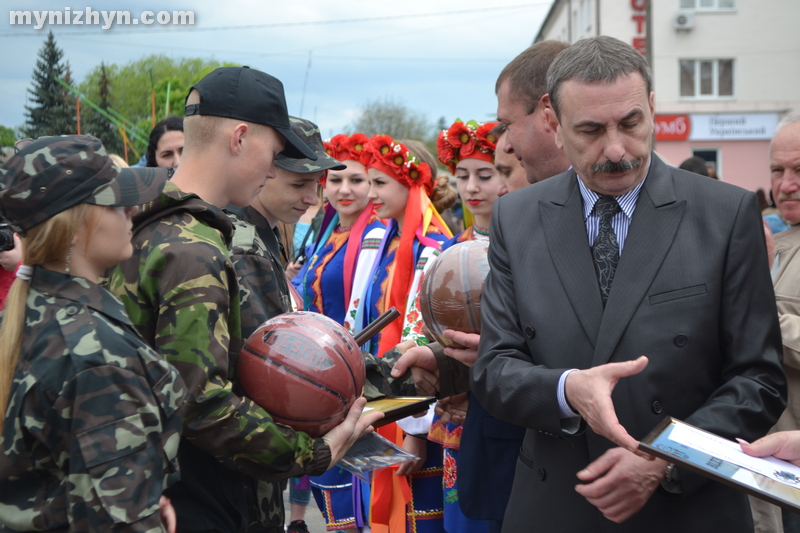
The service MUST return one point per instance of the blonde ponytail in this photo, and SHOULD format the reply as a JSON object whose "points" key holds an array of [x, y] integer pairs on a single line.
{"points": [[46, 244]]}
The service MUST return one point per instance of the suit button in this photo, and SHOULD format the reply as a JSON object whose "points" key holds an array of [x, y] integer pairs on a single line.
{"points": [[530, 332], [680, 341], [72, 310], [657, 407], [542, 474]]}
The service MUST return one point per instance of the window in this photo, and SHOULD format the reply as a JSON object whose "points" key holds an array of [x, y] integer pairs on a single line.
{"points": [[709, 5], [706, 78]]}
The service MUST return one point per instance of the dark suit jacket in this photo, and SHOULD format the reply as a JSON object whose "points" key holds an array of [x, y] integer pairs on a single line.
{"points": [[692, 291]]}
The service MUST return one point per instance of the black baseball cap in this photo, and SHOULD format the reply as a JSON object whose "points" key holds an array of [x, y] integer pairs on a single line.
{"points": [[243, 93]]}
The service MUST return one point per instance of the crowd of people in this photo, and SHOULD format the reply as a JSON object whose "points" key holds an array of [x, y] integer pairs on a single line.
{"points": [[621, 290]]}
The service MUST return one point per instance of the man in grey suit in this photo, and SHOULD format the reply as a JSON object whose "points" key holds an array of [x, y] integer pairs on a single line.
{"points": [[618, 258]]}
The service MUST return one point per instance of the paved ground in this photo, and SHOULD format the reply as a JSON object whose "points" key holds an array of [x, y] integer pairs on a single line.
{"points": [[314, 519]]}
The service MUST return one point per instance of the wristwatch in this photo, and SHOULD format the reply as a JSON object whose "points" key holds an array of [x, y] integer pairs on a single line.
{"points": [[672, 480]]}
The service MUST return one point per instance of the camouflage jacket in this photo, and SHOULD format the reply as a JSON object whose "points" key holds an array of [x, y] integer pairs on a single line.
{"points": [[181, 292], [256, 251], [264, 294], [453, 375], [93, 422]]}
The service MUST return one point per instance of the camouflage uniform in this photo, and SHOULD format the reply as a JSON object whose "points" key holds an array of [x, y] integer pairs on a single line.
{"points": [[91, 430], [92, 426], [181, 291], [264, 294]]}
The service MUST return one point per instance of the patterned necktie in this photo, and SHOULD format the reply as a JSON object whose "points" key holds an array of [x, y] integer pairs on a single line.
{"points": [[606, 247]]}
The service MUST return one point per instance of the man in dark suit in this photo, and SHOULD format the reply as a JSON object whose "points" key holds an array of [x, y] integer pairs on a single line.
{"points": [[620, 257], [489, 446]]}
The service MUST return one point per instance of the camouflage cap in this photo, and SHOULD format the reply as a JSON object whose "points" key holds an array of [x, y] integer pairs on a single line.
{"points": [[53, 174], [309, 132]]}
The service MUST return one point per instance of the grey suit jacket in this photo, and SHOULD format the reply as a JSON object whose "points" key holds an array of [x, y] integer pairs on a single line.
{"points": [[692, 292]]}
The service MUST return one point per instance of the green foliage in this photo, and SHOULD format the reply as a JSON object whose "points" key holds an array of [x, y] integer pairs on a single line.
{"points": [[51, 109], [132, 87], [7, 136], [93, 123]]}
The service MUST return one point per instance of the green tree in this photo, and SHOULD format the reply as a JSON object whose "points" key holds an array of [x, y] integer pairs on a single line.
{"points": [[7, 137], [96, 124], [133, 84], [51, 109]]}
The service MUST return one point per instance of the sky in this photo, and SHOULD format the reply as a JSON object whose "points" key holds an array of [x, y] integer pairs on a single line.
{"points": [[436, 57]]}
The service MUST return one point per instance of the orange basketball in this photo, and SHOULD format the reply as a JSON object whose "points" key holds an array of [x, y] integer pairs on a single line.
{"points": [[304, 369], [451, 291]]}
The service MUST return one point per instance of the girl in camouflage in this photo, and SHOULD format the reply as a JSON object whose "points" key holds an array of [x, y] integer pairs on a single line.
{"points": [[90, 414]]}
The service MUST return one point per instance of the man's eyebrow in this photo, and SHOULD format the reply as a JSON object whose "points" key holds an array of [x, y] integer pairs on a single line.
{"points": [[592, 124]]}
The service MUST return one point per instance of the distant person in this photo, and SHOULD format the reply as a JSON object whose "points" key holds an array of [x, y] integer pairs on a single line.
{"points": [[508, 166], [695, 164], [165, 146], [784, 162]]}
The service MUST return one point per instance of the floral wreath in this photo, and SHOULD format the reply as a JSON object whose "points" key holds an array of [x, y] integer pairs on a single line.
{"points": [[396, 160], [343, 147], [464, 141]]}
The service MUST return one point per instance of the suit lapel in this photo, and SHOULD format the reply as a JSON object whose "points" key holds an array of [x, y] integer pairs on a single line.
{"points": [[565, 233], [655, 223]]}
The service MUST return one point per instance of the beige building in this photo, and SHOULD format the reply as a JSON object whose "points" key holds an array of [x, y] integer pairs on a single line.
{"points": [[725, 72]]}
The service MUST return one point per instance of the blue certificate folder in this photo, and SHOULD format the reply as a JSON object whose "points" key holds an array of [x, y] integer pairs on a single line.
{"points": [[657, 443]]}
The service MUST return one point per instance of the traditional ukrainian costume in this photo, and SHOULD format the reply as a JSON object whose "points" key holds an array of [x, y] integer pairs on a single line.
{"points": [[339, 254], [460, 141], [402, 503]]}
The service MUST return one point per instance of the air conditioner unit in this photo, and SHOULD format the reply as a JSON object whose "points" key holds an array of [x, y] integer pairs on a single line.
{"points": [[684, 20]]}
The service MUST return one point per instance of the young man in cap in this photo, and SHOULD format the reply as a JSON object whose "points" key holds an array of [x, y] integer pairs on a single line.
{"points": [[264, 290], [181, 291]]}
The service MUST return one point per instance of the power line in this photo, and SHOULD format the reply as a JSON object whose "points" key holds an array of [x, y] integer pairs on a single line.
{"points": [[181, 29]]}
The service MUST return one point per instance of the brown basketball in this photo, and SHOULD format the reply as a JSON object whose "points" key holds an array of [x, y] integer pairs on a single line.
{"points": [[304, 369], [452, 288]]}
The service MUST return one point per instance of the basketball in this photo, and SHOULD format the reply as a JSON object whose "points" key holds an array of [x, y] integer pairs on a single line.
{"points": [[452, 288], [304, 369]]}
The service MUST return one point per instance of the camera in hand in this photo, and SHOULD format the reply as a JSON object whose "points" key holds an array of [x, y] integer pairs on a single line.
{"points": [[6, 237]]}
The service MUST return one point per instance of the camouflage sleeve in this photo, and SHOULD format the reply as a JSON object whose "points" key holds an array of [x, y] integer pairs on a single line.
{"points": [[453, 374], [379, 379], [196, 326], [107, 422]]}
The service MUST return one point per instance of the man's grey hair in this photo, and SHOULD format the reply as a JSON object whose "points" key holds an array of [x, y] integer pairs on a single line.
{"points": [[593, 60], [785, 121]]}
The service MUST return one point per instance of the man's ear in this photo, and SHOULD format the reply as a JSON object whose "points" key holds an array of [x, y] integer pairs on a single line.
{"points": [[551, 123], [237, 137]]}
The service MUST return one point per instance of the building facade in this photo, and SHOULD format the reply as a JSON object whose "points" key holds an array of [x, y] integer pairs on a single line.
{"points": [[725, 72]]}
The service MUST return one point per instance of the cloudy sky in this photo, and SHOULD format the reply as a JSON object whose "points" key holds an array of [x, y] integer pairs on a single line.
{"points": [[438, 57]]}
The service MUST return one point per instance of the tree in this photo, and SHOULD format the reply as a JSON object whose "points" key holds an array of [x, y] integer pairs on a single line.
{"points": [[133, 83], [52, 109], [7, 137], [389, 117], [95, 123]]}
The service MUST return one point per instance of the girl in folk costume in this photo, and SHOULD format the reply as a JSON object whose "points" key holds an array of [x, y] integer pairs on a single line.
{"points": [[400, 186], [348, 243], [468, 151]]}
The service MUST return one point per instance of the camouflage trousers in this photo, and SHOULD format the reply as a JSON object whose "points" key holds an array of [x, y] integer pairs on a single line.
{"points": [[266, 506]]}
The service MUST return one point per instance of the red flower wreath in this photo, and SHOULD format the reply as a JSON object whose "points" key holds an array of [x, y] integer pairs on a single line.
{"points": [[464, 141], [396, 160]]}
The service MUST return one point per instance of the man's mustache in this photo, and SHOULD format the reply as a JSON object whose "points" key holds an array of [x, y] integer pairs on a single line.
{"points": [[791, 196], [615, 167]]}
